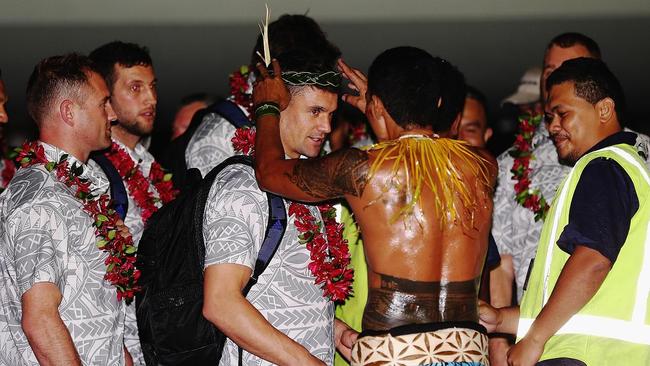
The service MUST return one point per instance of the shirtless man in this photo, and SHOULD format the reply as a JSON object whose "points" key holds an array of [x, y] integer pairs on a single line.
{"points": [[425, 221]]}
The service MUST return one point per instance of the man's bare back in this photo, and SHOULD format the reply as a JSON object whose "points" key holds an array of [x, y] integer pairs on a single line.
{"points": [[422, 267]]}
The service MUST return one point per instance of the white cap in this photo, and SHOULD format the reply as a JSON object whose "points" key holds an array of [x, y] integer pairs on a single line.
{"points": [[528, 89]]}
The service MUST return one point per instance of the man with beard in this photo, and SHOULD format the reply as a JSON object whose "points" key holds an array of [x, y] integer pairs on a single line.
{"points": [[128, 71], [586, 302]]}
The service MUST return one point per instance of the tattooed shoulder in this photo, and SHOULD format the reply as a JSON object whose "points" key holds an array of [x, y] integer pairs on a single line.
{"points": [[337, 174]]}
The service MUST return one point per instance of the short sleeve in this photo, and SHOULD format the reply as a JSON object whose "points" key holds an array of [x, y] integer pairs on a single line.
{"points": [[235, 218], [38, 242], [602, 207]]}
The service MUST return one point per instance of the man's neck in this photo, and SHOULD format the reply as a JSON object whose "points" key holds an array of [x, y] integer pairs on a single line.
{"points": [[126, 138], [413, 131], [70, 147]]}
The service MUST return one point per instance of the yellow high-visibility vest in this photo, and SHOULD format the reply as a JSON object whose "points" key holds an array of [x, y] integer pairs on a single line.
{"points": [[613, 328]]}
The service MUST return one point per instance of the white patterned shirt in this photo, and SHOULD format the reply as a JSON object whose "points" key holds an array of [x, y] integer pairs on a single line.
{"points": [[142, 160], [46, 236], [234, 225], [211, 143], [513, 226]]}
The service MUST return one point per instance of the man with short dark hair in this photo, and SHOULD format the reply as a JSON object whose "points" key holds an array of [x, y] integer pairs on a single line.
{"points": [[211, 143], [286, 318], [586, 302], [522, 198], [422, 200], [59, 301], [128, 71]]}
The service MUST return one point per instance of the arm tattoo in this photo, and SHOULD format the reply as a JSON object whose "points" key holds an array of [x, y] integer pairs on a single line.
{"points": [[342, 172]]}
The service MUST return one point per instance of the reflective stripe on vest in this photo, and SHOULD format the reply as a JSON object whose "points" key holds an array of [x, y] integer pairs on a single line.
{"points": [[635, 330], [629, 331]]}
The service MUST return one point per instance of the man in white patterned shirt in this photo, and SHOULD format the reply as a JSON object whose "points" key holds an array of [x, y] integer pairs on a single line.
{"points": [[55, 306], [128, 71], [284, 319]]}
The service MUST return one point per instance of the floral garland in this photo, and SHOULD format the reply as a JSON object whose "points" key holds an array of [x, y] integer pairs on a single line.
{"points": [[329, 257], [139, 185], [240, 89], [522, 153], [120, 269]]}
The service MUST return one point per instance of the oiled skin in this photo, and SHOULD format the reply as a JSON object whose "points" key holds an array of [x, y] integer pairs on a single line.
{"points": [[420, 271]]}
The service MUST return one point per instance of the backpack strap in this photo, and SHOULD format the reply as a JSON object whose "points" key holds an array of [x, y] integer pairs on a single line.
{"points": [[275, 228], [274, 232], [118, 191], [231, 112]]}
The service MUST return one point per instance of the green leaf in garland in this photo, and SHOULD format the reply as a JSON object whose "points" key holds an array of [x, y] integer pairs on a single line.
{"points": [[102, 218], [521, 197], [50, 166], [130, 249], [111, 234], [101, 243], [167, 177]]}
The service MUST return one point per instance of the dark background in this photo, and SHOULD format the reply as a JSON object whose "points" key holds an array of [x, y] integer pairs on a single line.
{"points": [[493, 54]]}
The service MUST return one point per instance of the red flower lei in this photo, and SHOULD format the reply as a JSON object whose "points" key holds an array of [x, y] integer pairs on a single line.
{"points": [[139, 185], [240, 89], [330, 257], [522, 152], [120, 269]]}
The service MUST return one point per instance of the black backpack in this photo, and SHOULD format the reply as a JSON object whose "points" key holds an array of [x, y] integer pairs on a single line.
{"points": [[171, 257]]}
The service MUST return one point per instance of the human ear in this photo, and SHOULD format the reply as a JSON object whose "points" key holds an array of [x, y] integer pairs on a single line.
{"points": [[488, 134], [66, 111], [606, 109], [376, 113], [454, 130]]}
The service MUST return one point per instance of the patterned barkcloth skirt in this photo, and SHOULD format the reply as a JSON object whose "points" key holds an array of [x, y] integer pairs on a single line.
{"points": [[435, 344]]}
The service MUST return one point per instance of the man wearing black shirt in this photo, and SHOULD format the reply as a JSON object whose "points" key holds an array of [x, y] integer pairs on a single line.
{"points": [[587, 297]]}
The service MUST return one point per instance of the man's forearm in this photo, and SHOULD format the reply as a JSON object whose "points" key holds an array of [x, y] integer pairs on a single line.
{"points": [[50, 340], [268, 145], [243, 323], [47, 334], [501, 279], [578, 282]]}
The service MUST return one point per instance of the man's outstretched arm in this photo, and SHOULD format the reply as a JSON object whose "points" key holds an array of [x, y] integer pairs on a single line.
{"points": [[344, 172]]}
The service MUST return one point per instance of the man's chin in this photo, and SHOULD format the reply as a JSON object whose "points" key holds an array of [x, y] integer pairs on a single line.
{"points": [[568, 159]]}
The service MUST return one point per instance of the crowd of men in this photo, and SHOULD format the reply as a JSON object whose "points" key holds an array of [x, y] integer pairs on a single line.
{"points": [[427, 211]]}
